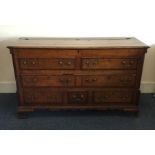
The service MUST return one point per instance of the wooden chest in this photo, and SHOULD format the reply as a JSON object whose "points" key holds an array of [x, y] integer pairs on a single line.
{"points": [[78, 73]]}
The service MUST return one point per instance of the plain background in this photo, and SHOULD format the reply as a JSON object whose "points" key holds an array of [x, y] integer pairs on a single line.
{"points": [[76, 18]]}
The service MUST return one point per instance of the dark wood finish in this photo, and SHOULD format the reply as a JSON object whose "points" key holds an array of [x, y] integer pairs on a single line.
{"points": [[45, 81], [105, 63], [113, 96], [87, 73], [42, 96], [59, 63], [77, 97], [114, 80]]}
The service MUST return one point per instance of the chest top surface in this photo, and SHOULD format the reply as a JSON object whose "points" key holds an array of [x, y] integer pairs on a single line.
{"points": [[81, 43]]}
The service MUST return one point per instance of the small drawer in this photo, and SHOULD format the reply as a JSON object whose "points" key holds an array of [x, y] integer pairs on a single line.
{"points": [[112, 96], [113, 80], [51, 81], [42, 96], [105, 63], [57, 63], [78, 97]]}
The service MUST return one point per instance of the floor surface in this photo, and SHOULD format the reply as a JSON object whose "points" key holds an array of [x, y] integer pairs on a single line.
{"points": [[77, 120]]}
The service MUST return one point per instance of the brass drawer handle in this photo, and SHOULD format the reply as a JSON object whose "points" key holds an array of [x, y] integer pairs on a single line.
{"points": [[33, 62], [69, 63], [91, 80], [87, 62], [24, 62], [124, 62], [64, 81], [92, 63], [81, 96], [60, 62], [78, 97], [128, 63]]}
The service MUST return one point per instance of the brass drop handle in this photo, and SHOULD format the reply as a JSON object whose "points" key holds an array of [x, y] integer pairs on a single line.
{"points": [[33, 62], [64, 81], [93, 63], [69, 63], [124, 62], [128, 63], [78, 97], [91, 80], [24, 62], [60, 62], [81, 96], [87, 62]]}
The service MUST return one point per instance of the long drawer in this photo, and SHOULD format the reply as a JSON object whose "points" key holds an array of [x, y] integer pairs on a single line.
{"points": [[55, 63], [111, 78], [114, 80], [71, 63], [108, 63], [77, 59], [48, 81], [78, 96]]}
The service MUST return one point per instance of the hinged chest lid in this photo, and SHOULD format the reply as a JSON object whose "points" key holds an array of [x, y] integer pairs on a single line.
{"points": [[81, 43]]}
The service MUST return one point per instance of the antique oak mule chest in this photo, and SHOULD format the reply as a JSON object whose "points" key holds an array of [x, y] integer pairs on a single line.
{"points": [[78, 73]]}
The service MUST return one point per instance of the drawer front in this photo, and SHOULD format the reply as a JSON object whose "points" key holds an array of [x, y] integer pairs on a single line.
{"points": [[52, 81], [42, 96], [105, 63], [115, 80], [77, 97], [57, 63], [112, 96]]}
